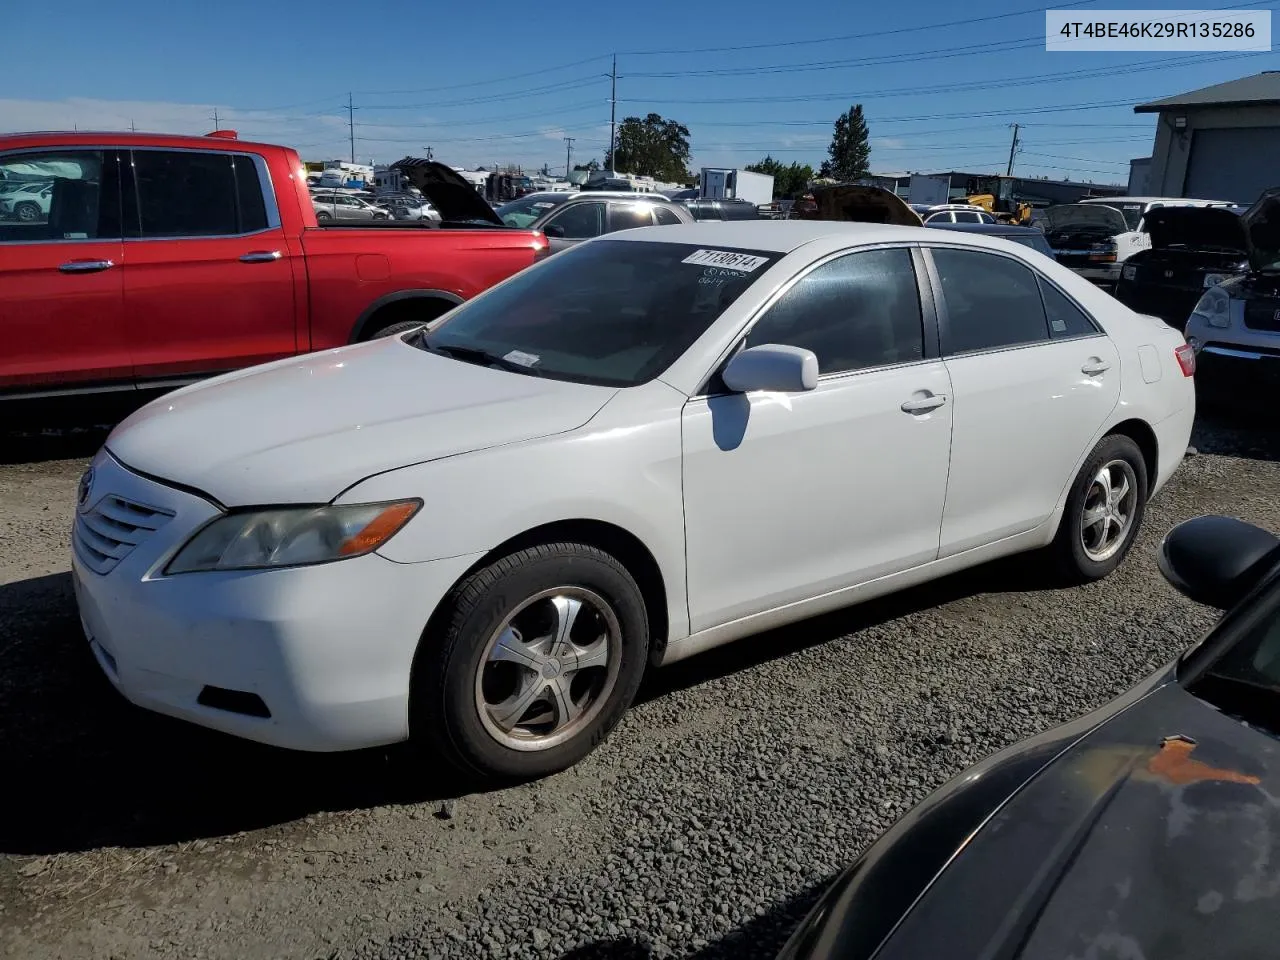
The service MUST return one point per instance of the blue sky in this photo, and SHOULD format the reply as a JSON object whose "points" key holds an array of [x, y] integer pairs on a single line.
{"points": [[499, 82]]}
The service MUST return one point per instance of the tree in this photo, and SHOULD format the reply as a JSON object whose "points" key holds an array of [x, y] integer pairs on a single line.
{"points": [[652, 147], [789, 180], [850, 151], [589, 166]]}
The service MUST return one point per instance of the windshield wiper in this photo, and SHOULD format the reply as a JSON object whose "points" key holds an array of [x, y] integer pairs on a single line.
{"points": [[476, 355]]}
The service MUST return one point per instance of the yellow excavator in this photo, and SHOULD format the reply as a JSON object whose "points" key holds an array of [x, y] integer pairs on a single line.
{"points": [[995, 195]]}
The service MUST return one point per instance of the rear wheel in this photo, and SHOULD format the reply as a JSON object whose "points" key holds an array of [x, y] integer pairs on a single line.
{"points": [[538, 657], [27, 212], [323, 215], [393, 329], [1104, 510]]}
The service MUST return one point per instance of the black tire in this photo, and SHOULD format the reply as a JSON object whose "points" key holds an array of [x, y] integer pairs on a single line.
{"points": [[323, 216], [27, 212], [1068, 552], [393, 329], [444, 712]]}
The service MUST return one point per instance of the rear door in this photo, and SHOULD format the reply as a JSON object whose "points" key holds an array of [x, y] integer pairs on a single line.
{"points": [[624, 215], [212, 281], [1034, 379], [62, 275]]}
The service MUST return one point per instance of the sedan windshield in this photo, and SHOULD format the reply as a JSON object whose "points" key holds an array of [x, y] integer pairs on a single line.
{"points": [[608, 312], [523, 212]]}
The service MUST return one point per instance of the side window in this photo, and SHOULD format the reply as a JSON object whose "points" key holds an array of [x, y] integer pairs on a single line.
{"points": [[991, 301], [967, 216], [59, 195], [665, 216], [1065, 318], [861, 310], [627, 216], [580, 221], [190, 194]]}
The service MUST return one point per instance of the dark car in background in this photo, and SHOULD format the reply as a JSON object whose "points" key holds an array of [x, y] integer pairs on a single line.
{"points": [[1192, 249], [1027, 236], [1149, 828]]}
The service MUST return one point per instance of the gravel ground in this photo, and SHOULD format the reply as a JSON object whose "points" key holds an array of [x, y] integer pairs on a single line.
{"points": [[705, 826]]}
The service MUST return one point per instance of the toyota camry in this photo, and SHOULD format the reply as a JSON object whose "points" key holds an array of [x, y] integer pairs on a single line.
{"points": [[479, 534]]}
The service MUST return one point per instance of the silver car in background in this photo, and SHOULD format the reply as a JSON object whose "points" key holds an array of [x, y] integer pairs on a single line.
{"points": [[597, 212], [409, 208], [344, 206]]}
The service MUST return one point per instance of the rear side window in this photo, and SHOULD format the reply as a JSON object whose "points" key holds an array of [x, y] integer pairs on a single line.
{"points": [[59, 195], [991, 302], [665, 216], [183, 193], [1065, 318], [964, 216], [628, 216]]}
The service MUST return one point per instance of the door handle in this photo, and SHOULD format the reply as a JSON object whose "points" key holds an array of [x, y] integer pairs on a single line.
{"points": [[261, 256], [1095, 366], [86, 266], [924, 404]]}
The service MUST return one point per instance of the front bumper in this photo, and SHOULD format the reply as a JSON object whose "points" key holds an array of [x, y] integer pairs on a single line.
{"points": [[327, 649]]}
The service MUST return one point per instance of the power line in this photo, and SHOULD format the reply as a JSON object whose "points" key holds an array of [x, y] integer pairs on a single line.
{"points": [[968, 21], [962, 86], [481, 83], [496, 98]]}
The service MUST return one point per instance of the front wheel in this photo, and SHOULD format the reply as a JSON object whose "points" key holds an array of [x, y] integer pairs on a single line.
{"points": [[27, 212], [538, 657], [323, 215], [1104, 510]]}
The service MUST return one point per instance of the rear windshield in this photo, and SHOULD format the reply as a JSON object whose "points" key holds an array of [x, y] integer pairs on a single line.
{"points": [[607, 312]]}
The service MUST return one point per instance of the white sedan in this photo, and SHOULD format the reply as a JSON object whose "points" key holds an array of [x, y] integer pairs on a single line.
{"points": [[480, 534]]}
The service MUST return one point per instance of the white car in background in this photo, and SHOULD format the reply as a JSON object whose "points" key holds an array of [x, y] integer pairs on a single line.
{"points": [[27, 202], [481, 533]]}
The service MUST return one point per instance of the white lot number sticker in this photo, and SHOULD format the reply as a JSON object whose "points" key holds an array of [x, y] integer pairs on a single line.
{"points": [[522, 358], [742, 262]]}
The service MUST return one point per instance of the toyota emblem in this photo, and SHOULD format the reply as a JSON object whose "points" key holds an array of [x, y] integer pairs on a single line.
{"points": [[85, 488]]}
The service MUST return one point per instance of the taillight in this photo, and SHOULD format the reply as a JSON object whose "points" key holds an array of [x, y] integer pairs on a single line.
{"points": [[1186, 357]]}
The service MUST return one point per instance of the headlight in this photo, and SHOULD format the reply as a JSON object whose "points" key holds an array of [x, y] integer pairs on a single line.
{"points": [[1215, 307], [291, 536], [1213, 279], [1129, 271]]}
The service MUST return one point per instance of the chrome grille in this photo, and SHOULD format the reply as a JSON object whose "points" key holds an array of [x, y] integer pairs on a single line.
{"points": [[108, 531]]}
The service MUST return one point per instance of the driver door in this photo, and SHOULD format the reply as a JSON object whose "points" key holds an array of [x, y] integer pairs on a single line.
{"points": [[790, 496]]}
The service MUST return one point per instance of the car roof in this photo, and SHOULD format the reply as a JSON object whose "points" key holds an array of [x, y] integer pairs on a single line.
{"points": [[784, 236], [625, 194], [1182, 200], [116, 138], [996, 229]]}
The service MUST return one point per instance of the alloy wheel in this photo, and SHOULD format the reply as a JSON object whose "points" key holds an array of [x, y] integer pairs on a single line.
{"points": [[548, 668], [1106, 519]]}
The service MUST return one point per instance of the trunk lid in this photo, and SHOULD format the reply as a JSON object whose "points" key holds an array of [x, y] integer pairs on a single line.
{"points": [[1262, 230], [857, 203], [451, 195], [1209, 229]]}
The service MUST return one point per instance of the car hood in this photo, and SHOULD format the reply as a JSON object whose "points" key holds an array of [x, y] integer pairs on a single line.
{"points": [[302, 430], [1157, 835], [1262, 228], [1091, 215], [1196, 228], [862, 204], [450, 194]]}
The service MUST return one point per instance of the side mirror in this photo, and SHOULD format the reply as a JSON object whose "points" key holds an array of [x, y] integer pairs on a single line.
{"points": [[773, 367], [1217, 560], [553, 230]]}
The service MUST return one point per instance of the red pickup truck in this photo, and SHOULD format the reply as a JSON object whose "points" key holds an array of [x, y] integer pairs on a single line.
{"points": [[131, 261]]}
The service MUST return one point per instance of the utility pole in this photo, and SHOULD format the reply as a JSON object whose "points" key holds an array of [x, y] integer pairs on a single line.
{"points": [[613, 109], [351, 127], [133, 128], [430, 155], [568, 152], [1013, 148], [215, 119]]}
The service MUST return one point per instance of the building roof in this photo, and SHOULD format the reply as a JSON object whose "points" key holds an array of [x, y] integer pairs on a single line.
{"points": [[1257, 90]]}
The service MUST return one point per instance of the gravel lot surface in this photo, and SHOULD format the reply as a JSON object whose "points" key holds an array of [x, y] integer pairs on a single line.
{"points": [[705, 826]]}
